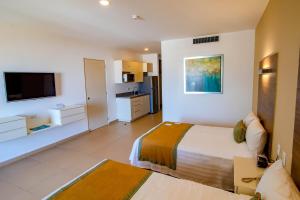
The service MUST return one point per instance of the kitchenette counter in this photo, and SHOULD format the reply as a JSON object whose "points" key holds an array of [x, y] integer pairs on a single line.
{"points": [[130, 95]]}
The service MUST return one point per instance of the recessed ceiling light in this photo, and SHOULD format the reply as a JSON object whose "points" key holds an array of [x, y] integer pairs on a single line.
{"points": [[136, 17], [146, 49], [104, 2]]}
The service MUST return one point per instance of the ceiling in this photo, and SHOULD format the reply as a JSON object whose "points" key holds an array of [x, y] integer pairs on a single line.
{"points": [[113, 26]]}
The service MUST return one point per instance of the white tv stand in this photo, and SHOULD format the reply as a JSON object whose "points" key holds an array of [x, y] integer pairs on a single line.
{"points": [[12, 128], [68, 114], [16, 126]]}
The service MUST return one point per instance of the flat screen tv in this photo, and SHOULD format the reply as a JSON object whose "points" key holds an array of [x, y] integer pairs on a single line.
{"points": [[21, 86]]}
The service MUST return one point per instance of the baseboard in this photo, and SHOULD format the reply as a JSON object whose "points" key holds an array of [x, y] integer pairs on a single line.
{"points": [[8, 162]]}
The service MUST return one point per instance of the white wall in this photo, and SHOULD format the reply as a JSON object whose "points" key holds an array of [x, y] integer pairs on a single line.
{"points": [[216, 109], [27, 48]]}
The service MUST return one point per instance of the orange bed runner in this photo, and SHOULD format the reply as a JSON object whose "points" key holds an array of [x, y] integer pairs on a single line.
{"points": [[160, 145], [109, 180]]}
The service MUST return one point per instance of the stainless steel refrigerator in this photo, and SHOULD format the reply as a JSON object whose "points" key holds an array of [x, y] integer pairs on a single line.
{"points": [[150, 85]]}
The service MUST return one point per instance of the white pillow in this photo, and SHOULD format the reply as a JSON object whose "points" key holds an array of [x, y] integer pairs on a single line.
{"points": [[256, 137], [276, 184], [250, 117]]}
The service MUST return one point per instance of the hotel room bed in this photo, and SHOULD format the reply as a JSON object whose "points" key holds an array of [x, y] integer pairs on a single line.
{"points": [[205, 154], [111, 180]]}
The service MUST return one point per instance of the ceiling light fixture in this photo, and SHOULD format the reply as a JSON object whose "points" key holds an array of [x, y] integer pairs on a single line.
{"points": [[104, 2], [146, 49], [136, 17]]}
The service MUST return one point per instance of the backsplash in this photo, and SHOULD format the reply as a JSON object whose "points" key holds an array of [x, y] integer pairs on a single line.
{"points": [[126, 87]]}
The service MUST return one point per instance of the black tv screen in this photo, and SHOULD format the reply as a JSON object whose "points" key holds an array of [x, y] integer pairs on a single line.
{"points": [[20, 86]]}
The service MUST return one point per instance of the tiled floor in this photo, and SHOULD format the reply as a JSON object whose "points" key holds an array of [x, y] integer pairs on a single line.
{"points": [[36, 176]]}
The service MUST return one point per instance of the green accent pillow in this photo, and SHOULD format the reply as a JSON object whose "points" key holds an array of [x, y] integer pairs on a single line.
{"points": [[256, 197], [239, 132]]}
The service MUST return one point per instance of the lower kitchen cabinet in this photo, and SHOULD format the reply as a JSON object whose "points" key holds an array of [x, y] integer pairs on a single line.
{"points": [[131, 108]]}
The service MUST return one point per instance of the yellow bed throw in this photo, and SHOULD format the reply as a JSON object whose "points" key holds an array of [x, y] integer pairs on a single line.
{"points": [[109, 180], [160, 145]]}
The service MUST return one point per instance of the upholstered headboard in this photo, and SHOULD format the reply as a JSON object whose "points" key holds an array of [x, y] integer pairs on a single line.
{"points": [[296, 146], [267, 96]]}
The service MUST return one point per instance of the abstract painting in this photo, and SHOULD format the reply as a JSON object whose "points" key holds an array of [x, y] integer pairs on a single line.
{"points": [[203, 74]]}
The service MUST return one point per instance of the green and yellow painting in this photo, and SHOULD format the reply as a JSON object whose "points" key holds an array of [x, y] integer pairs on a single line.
{"points": [[203, 74]]}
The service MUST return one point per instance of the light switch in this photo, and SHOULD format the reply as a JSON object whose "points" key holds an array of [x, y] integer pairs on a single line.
{"points": [[283, 159], [278, 151]]}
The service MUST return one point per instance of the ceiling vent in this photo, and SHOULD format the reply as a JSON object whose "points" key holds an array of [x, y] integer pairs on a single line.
{"points": [[206, 39]]}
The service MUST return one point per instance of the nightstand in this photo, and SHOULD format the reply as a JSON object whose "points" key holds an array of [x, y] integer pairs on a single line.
{"points": [[246, 168]]}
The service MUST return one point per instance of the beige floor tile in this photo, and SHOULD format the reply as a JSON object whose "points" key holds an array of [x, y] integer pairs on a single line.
{"points": [[119, 150], [38, 175], [49, 155], [14, 168], [86, 147], [50, 184], [11, 192], [27, 178]]}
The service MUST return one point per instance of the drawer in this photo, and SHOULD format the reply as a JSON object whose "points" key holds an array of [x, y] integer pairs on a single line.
{"points": [[72, 111], [137, 113], [9, 135], [9, 119], [137, 99], [12, 125], [73, 118], [137, 103], [137, 107]]}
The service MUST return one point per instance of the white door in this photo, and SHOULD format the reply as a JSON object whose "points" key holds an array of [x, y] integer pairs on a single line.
{"points": [[95, 82]]}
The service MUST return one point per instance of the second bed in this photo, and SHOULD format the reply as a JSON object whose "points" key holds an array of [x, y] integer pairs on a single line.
{"points": [[204, 154]]}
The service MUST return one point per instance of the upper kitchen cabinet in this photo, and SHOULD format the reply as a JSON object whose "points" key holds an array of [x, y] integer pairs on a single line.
{"points": [[130, 71], [152, 58], [147, 67]]}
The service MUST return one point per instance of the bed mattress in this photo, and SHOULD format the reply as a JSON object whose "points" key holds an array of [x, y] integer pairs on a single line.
{"points": [[205, 154]]}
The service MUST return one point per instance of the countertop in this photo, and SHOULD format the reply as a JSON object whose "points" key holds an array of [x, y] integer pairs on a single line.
{"points": [[130, 95]]}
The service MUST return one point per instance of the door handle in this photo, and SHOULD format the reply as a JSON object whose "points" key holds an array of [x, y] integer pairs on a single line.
{"points": [[89, 98]]}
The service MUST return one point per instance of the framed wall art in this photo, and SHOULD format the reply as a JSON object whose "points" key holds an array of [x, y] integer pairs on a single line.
{"points": [[203, 74]]}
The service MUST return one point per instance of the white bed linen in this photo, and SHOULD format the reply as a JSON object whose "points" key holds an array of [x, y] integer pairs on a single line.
{"points": [[162, 187], [205, 154], [213, 141]]}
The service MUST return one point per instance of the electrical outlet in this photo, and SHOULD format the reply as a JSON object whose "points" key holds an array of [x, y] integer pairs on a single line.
{"points": [[284, 158]]}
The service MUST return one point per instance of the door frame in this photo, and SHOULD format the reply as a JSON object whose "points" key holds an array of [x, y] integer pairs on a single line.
{"points": [[85, 87]]}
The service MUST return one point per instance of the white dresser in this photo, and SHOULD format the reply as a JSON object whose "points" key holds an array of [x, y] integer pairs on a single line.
{"points": [[68, 114], [131, 108], [12, 128]]}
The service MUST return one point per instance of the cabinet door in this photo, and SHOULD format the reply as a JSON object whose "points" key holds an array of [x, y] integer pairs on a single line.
{"points": [[150, 67], [146, 104], [133, 67], [124, 112], [126, 66], [138, 71], [147, 67]]}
